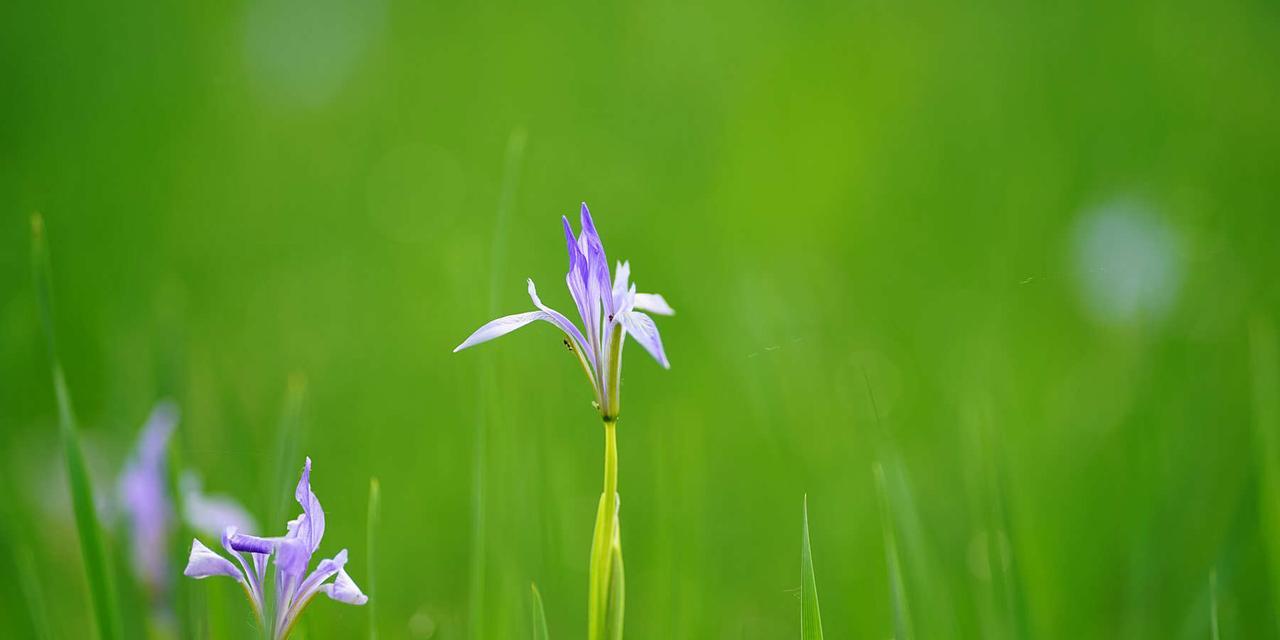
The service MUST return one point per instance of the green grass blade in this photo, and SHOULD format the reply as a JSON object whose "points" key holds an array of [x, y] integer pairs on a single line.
{"points": [[287, 462], [486, 388], [897, 585], [810, 616], [1266, 405], [375, 517], [92, 547], [617, 592], [1213, 605], [539, 616], [32, 594]]}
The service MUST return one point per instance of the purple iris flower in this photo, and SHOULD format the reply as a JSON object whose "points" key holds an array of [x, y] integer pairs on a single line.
{"points": [[610, 310], [291, 553], [145, 499]]}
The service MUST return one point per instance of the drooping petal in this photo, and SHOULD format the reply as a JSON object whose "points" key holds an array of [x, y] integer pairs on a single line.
{"points": [[500, 327], [204, 563], [312, 528], [642, 328], [253, 578], [247, 543], [558, 319], [345, 590], [653, 303], [323, 571], [211, 514]]}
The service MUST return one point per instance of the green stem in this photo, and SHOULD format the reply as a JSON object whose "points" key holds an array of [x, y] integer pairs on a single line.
{"points": [[605, 542]]}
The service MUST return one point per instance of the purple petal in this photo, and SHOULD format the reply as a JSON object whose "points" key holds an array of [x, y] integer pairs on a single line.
{"points": [[653, 303], [598, 282], [577, 257], [312, 529], [345, 590], [558, 319], [156, 432], [577, 275], [292, 557], [642, 328], [324, 571], [500, 327], [144, 496], [247, 543], [204, 563]]}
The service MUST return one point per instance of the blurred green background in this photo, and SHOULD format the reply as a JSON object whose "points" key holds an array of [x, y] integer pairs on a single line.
{"points": [[1023, 255]]}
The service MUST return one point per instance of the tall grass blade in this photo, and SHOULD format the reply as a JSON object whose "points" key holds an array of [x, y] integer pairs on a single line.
{"points": [[539, 616], [287, 435], [810, 616], [897, 585], [1213, 605], [32, 594], [1266, 407], [92, 547], [617, 591], [512, 158], [371, 537]]}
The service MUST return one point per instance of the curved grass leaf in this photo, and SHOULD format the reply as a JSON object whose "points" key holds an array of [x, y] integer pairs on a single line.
{"points": [[32, 594], [1213, 605], [897, 586], [1264, 356], [617, 592], [539, 616], [810, 616], [375, 518], [92, 547]]}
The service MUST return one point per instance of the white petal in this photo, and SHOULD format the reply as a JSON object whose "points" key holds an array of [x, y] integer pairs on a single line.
{"points": [[500, 327], [654, 303], [642, 328], [343, 589], [558, 319], [621, 278], [204, 563]]}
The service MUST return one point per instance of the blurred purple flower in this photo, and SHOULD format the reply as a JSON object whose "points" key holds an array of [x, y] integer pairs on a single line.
{"points": [[145, 500], [610, 310], [143, 491], [291, 553]]}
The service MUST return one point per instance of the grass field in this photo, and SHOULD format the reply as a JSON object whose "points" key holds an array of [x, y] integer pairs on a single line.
{"points": [[994, 285]]}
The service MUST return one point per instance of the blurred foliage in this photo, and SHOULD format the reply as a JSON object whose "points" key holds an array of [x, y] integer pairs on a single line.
{"points": [[867, 214]]}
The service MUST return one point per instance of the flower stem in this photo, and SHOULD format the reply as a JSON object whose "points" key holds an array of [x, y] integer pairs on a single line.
{"points": [[605, 596]]}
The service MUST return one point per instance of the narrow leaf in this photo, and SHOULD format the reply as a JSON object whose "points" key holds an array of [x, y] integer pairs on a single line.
{"points": [[1213, 605], [286, 467], [1266, 422], [810, 616], [897, 586], [617, 592], [32, 594], [92, 548], [486, 388], [539, 616], [375, 518]]}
